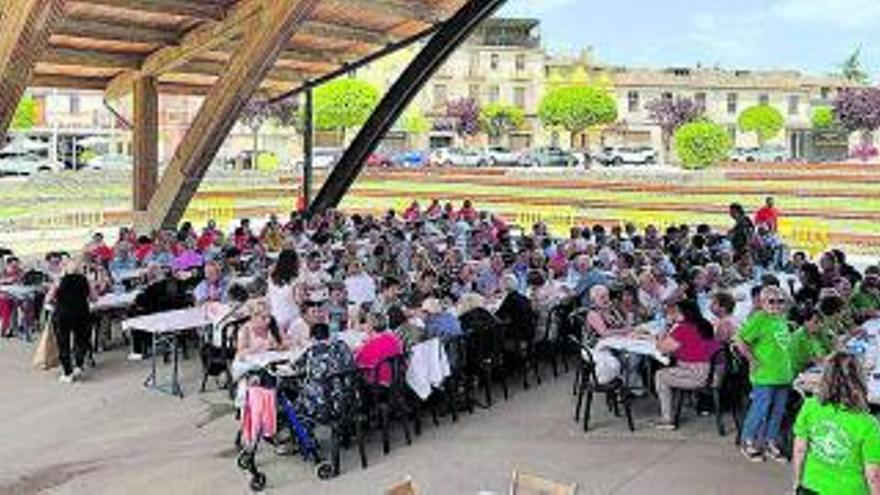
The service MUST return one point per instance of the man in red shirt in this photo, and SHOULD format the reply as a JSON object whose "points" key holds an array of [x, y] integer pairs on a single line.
{"points": [[768, 215]]}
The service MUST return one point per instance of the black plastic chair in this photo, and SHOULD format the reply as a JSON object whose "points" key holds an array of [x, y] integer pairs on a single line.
{"points": [[616, 392], [217, 361], [348, 416], [389, 401], [460, 384], [523, 349], [713, 386], [486, 358]]}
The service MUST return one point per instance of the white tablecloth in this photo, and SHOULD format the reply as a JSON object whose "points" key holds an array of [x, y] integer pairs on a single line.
{"points": [[645, 347], [112, 301], [19, 291], [179, 319]]}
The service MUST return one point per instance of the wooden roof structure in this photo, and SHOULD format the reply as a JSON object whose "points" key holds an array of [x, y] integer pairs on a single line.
{"points": [[227, 50], [186, 44]]}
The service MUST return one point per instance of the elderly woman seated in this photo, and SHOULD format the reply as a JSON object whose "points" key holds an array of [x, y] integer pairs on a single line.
{"points": [[440, 322], [516, 310], [260, 334], [322, 399], [380, 345]]}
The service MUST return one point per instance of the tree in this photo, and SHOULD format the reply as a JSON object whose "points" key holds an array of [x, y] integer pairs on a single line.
{"points": [[413, 121], [464, 115], [823, 118], [764, 120], [858, 110], [25, 115], [672, 114], [577, 108], [701, 144], [500, 120], [253, 116], [852, 70], [344, 103]]}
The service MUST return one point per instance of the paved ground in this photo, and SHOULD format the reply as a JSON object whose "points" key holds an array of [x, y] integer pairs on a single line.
{"points": [[109, 435]]}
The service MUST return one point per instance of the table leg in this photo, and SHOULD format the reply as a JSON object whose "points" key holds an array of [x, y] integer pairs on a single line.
{"points": [[175, 383], [151, 379]]}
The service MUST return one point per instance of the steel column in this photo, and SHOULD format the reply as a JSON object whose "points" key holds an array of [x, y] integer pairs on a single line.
{"points": [[447, 39], [308, 149]]}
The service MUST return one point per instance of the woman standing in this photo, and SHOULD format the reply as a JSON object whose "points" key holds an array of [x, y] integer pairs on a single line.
{"points": [[71, 297], [837, 441], [280, 293]]}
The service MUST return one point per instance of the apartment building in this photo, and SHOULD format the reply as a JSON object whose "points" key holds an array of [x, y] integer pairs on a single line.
{"points": [[503, 62], [723, 93]]}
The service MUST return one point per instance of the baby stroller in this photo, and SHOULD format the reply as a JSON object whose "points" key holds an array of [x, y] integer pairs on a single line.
{"points": [[282, 382]]}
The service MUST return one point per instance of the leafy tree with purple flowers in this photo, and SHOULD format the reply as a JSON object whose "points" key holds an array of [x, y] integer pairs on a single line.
{"points": [[464, 116], [253, 116], [858, 110], [670, 114]]}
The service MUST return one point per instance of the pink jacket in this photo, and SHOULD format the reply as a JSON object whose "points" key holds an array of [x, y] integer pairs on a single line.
{"points": [[374, 351]]}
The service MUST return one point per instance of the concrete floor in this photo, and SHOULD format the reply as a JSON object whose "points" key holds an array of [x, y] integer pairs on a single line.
{"points": [[108, 434]]}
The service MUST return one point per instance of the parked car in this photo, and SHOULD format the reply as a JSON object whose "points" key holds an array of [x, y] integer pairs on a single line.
{"points": [[411, 159], [618, 155], [498, 155], [547, 157], [760, 155], [110, 162], [28, 164], [322, 158], [380, 159], [456, 157]]}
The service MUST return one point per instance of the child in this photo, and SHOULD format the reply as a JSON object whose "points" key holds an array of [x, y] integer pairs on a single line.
{"points": [[764, 340]]}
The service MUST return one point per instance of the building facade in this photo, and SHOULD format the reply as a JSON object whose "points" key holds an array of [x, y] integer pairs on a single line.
{"points": [[503, 62]]}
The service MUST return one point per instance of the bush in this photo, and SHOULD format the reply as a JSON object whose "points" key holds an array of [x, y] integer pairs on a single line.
{"points": [[701, 144]]}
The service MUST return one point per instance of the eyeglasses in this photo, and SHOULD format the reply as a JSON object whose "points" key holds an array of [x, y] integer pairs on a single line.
{"points": [[776, 301]]}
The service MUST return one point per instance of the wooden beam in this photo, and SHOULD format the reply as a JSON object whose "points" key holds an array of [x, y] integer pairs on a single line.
{"points": [[404, 9], [115, 31], [277, 23], [91, 58], [320, 29], [212, 68], [26, 26], [145, 141], [188, 8], [70, 82], [204, 38]]}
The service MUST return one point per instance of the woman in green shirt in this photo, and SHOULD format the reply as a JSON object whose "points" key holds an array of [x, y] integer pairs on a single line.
{"points": [[837, 441]]}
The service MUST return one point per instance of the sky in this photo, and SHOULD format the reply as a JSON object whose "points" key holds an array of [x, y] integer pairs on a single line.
{"points": [[808, 35]]}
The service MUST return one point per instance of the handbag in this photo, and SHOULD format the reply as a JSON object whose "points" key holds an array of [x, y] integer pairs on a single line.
{"points": [[46, 355]]}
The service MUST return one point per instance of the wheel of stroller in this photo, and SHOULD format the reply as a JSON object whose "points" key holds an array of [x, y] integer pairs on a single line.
{"points": [[244, 460], [324, 470], [238, 445], [258, 482]]}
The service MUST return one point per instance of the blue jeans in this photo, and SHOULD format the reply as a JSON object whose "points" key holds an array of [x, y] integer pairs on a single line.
{"points": [[765, 414]]}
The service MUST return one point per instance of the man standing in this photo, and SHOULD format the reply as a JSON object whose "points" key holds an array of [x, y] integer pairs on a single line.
{"points": [[768, 215]]}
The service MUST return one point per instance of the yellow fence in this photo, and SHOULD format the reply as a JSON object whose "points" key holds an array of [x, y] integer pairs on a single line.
{"points": [[808, 235], [558, 220]]}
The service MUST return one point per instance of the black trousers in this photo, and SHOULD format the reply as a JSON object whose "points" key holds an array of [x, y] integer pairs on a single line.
{"points": [[77, 330], [805, 491]]}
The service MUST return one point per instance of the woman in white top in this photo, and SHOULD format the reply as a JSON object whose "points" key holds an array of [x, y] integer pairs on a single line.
{"points": [[359, 285], [281, 289]]}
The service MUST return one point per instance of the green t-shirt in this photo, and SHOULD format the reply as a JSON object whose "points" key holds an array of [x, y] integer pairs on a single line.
{"points": [[805, 348], [865, 301], [841, 443], [769, 339]]}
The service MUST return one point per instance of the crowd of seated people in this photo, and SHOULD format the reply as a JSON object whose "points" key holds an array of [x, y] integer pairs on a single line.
{"points": [[400, 278]]}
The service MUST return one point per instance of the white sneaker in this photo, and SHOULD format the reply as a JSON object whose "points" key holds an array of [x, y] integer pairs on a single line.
{"points": [[66, 378], [135, 357], [77, 373]]}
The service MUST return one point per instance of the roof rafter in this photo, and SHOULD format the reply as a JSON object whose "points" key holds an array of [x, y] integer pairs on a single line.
{"points": [[201, 39], [199, 10]]}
